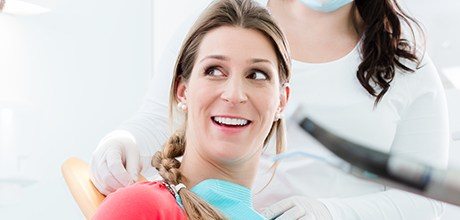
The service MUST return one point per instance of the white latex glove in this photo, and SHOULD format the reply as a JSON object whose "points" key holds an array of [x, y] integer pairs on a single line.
{"points": [[297, 207], [115, 162]]}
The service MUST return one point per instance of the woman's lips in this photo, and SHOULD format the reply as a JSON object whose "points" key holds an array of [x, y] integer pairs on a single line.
{"points": [[230, 125]]}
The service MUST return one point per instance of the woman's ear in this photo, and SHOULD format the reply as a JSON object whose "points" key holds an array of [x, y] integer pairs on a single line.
{"points": [[284, 96], [181, 92]]}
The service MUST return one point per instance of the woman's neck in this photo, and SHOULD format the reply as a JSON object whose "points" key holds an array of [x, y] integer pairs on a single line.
{"points": [[196, 168], [313, 36]]}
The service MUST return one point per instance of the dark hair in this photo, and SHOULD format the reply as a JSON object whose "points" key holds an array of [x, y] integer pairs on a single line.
{"points": [[383, 45]]}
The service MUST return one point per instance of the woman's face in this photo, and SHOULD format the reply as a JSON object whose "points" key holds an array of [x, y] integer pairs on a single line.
{"points": [[232, 95]]}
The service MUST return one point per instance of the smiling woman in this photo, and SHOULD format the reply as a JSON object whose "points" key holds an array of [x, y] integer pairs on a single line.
{"points": [[232, 97], [231, 85]]}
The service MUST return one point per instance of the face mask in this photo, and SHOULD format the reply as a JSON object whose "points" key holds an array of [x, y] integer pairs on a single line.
{"points": [[325, 5]]}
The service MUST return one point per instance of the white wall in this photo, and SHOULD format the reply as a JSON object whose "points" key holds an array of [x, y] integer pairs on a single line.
{"points": [[84, 68]]}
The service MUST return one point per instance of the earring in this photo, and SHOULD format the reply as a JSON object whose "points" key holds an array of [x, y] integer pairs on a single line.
{"points": [[182, 106], [278, 116]]}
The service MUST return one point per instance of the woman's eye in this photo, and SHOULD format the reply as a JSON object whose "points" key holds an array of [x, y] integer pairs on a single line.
{"points": [[258, 75], [213, 71]]}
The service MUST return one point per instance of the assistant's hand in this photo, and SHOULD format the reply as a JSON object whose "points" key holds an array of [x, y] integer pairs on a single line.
{"points": [[297, 207], [115, 162]]}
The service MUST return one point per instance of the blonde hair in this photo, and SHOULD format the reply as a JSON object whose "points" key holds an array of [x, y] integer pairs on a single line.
{"points": [[235, 13]]}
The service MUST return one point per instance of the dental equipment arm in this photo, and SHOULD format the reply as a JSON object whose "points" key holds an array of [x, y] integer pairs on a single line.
{"points": [[391, 170]]}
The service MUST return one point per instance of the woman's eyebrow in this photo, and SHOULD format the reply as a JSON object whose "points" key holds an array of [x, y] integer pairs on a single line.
{"points": [[225, 58], [218, 57], [261, 60]]}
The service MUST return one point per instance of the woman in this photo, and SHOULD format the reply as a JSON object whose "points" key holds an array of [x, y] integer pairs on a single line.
{"points": [[230, 83], [362, 74]]}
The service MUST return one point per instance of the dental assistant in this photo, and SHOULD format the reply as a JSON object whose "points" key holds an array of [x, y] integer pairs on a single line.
{"points": [[361, 73]]}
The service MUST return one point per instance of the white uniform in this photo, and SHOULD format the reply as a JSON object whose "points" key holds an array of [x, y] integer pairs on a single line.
{"points": [[411, 120]]}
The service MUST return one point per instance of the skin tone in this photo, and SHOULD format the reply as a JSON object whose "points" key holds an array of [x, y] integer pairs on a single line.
{"points": [[235, 76], [315, 37]]}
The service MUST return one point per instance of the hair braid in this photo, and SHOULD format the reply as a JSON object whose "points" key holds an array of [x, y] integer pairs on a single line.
{"points": [[168, 167], [165, 161]]}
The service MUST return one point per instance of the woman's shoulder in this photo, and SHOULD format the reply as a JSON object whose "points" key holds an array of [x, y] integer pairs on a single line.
{"points": [[424, 79], [151, 200]]}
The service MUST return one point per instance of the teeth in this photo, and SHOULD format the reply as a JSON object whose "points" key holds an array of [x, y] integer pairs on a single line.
{"points": [[231, 121]]}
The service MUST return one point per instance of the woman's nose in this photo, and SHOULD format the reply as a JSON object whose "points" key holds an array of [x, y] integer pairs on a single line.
{"points": [[234, 92]]}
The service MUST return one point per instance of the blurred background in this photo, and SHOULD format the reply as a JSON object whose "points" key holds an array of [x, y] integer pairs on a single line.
{"points": [[73, 72]]}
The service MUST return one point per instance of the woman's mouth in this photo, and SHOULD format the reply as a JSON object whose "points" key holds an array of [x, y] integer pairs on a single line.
{"points": [[231, 122]]}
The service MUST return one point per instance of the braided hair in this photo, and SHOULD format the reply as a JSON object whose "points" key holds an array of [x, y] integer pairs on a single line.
{"points": [[168, 167]]}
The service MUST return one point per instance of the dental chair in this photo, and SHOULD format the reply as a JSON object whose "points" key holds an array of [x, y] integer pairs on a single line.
{"points": [[76, 174]]}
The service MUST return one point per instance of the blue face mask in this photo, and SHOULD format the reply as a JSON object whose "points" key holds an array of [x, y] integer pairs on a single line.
{"points": [[325, 5]]}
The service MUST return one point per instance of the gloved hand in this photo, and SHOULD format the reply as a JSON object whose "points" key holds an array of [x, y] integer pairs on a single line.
{"points": [[297, 207], [115, 162]]}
